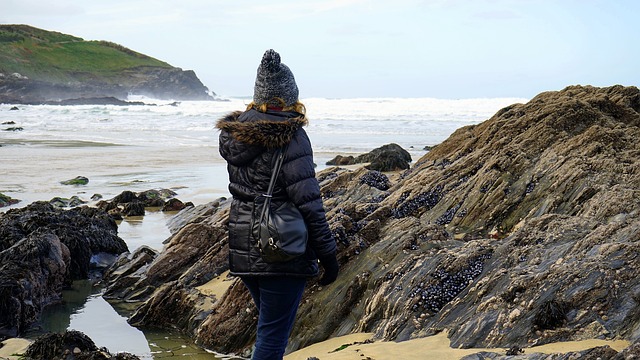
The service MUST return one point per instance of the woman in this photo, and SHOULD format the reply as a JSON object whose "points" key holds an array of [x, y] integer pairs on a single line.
{"points": [[249, 141]]}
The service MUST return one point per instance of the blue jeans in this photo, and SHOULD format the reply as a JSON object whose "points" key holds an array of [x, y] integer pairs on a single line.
{"points": [[277, 299]]}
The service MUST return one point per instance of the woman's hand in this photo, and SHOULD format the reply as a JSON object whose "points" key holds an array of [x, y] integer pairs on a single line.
{"points": [[331, 268]]}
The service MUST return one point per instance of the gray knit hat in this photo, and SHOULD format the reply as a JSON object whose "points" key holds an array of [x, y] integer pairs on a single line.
{"points": [[274, 80]]}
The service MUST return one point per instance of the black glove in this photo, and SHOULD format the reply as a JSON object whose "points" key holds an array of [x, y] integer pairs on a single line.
{"points": [[331, 267]]}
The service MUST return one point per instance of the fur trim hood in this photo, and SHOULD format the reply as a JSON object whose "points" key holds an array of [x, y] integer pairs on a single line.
{"points": [[267, 130]]}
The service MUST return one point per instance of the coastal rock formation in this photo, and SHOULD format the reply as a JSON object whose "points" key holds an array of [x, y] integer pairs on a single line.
{"points": [[42, 249], [6, 200], [129, 203], [78, 180], [47, 67], [70, 345], [156, 83], [195, 254], [390, 157], [519, 231]]}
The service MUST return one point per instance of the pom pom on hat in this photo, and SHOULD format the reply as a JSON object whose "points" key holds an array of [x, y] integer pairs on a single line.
{"points": [[274, 80]]}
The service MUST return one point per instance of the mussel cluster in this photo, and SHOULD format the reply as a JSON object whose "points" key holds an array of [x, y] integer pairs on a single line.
{"points": [[447, 286], [376, 179], [426, 200]]}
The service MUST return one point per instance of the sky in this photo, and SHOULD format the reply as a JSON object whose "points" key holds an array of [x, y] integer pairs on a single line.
{"points": [[447, 49]]}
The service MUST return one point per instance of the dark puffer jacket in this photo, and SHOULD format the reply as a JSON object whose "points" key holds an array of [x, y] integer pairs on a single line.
{"points": [[248, 142]]}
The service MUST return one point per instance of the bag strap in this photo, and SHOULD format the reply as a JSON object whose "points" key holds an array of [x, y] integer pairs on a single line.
{"points": [[275, 173], [272, 183]]}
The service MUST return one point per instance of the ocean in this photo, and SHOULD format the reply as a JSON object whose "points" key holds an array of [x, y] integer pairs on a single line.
{"points": [[175, 145]]}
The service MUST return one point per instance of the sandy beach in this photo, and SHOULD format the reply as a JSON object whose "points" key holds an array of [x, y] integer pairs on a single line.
{"points": [[432, 347]]}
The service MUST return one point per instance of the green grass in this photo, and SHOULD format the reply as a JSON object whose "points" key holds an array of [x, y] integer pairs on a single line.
{"points": [[52, 56]]}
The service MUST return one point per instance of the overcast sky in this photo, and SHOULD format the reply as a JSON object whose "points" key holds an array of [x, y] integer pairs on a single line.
{"points": [[366, 48]]}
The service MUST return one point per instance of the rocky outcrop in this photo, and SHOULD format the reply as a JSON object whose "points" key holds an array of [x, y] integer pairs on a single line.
{"points": [[70, 345], [129, 203], [390, 157], [156, 83], [6, 200], [521, 230], [42, 249], [195, 254]]}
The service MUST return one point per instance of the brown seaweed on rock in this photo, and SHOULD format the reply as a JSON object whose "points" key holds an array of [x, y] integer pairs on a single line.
{"points": [[70, 345], [43, 249], [535, 209]]}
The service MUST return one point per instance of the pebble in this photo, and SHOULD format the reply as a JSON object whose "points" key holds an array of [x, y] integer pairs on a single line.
{"points": [[514, 314]]}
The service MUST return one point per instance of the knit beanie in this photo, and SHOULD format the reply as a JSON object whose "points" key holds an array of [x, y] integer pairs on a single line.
{"points": [[274, 80]]}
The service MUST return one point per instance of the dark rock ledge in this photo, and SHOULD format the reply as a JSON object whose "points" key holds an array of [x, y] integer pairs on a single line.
{"points": [[42, 250]]}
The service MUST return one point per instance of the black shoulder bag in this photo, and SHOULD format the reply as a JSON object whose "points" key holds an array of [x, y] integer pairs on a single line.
{"points": [[279, 232]]}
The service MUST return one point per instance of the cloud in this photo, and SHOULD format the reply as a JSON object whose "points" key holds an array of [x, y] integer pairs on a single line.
{"points": [[21, 11], [294, 8], [503, 14]]}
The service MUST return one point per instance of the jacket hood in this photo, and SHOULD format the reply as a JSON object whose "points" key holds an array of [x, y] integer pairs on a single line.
{"points": [[264, 129]]}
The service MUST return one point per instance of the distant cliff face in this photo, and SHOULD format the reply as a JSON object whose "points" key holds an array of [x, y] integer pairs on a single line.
{"points": [[39, 66]]}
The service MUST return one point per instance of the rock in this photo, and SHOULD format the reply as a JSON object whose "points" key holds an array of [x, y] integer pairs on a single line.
{"points": [[173, 205], [133, 208], [14, 128], [33, 272], [42, 249], [129, 203], [340, 160], [546, 195], [14, 108], [390, 157], [126, 279], [376, 179], [6, 200], [69, 345], [97, 100], [156, 198], [194, 214], [632, 352], [188, 260], [66, 203], [78, 180]]}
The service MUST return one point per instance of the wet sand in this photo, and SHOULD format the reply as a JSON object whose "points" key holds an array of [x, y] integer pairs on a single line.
{"points": [[12, 348], [217, 286], [433, 347], [199, 175]]}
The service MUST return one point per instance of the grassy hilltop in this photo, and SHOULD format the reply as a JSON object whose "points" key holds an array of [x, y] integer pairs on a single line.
{"points": [[53, 56], [58, 59]]}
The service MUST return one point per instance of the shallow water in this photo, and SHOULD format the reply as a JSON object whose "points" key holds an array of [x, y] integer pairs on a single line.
{"points": [[150, 230], [85, 310]]}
